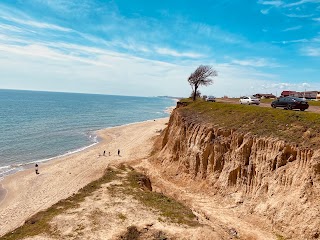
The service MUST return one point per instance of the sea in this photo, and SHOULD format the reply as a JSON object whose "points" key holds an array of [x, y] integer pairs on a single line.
{"points": [[40, 126]]}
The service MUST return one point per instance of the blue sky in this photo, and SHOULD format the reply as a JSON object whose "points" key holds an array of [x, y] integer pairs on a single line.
{"points": [[148, 48]]}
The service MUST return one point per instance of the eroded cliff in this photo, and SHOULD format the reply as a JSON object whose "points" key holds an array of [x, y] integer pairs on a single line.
{"points": [[272, 178]]}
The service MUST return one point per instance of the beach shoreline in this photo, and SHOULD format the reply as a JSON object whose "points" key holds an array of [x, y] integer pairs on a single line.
{"points": [[24, 166], [24, 193]]}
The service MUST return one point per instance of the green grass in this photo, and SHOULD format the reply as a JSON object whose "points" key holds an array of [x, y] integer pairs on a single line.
{"points": [[314, 103], [266, 100], [287, 125], [40, 222], [188, 100]]}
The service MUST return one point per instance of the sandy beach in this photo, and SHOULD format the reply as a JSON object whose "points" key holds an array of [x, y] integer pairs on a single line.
{"points": [[25, 193]]}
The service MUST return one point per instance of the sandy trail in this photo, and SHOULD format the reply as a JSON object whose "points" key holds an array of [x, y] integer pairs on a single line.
{"points": [[28, 193], [208, 208]]}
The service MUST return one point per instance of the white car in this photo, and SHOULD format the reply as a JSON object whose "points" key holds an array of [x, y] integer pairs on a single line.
{"points": [[211, 99], [249, 100]]}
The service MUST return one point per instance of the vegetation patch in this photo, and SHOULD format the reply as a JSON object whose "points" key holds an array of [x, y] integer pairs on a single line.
{"points": [[122, 216], [129, 182], [40, 222], [167, 207], [280, 237], [296, 127], [139, 186], [131, 234]]}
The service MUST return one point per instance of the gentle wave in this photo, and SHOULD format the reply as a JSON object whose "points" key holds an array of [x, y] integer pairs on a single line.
{"points": [[14, 168], [40, 126]]}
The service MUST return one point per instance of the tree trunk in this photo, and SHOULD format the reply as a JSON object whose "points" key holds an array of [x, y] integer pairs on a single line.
{"points": [[195, 92]]}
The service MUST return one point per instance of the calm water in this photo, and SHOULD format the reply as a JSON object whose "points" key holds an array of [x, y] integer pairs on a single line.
{"points": [[41, 125]]}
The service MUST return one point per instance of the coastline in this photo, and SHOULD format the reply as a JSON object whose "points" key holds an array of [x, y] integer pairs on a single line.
{"points": [[24, 166], [30, 165], [13, 169], [24, 193]]}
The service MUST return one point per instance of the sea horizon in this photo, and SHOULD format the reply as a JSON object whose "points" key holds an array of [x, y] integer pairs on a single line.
{"points": [[39, 126], [103, 94]]}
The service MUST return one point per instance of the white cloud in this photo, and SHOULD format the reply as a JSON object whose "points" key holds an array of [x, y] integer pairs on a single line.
{"points": [[306, 85], [255, 62], [292, 15], [171, 52], [63, 7], [295, 8], [316, 39], [19, 17], [311, 51], [292, 28], [271, 3], [265, 11], [292, 41], [10, 28], [301, 2], [102, 71], [216, 33], [43, 52], [278, 87], [37, 24], [42, 68]]}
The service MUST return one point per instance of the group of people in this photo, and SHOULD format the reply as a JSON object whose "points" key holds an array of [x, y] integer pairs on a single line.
{"points": [[104, 153]]}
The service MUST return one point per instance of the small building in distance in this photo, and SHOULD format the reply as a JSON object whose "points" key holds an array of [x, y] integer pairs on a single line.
{"points": [[264, 95], [306, 94], [288, 93], [309, 94]]}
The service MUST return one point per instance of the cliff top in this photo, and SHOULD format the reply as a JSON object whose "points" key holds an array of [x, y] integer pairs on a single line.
{"points": [[302, 128]]}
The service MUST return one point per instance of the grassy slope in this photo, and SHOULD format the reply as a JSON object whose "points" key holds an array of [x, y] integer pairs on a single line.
{"points": [[169, 209], [302, 128]]}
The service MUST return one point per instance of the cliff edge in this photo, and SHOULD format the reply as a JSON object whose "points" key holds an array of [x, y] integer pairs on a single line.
{"points": [[261, 174]]}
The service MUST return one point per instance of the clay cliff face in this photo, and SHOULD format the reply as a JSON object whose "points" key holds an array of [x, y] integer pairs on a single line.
{"points": [[274, 179]]}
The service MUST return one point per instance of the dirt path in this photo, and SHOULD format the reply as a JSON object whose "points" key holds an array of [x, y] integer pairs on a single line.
{"points": [[226, 220]]}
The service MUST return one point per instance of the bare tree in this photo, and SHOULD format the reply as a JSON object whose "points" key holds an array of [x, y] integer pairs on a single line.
{"points": [[198, 94], [202, 76]]}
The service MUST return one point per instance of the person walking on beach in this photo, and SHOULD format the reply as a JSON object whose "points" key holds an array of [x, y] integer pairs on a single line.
{"points": [[109, 154], [36, 168], [104, 152], [118, 152]]}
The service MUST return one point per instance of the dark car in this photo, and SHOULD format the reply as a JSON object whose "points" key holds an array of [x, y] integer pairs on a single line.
{"points": [[290, 103]]}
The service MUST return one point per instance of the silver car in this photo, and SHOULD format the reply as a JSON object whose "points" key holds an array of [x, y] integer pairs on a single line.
{"points": [[249, 100], [211, 99]]}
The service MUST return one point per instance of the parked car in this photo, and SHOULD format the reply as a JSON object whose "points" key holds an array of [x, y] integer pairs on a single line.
{"points": [[211, 99], [249, 100], [290, 103]]}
